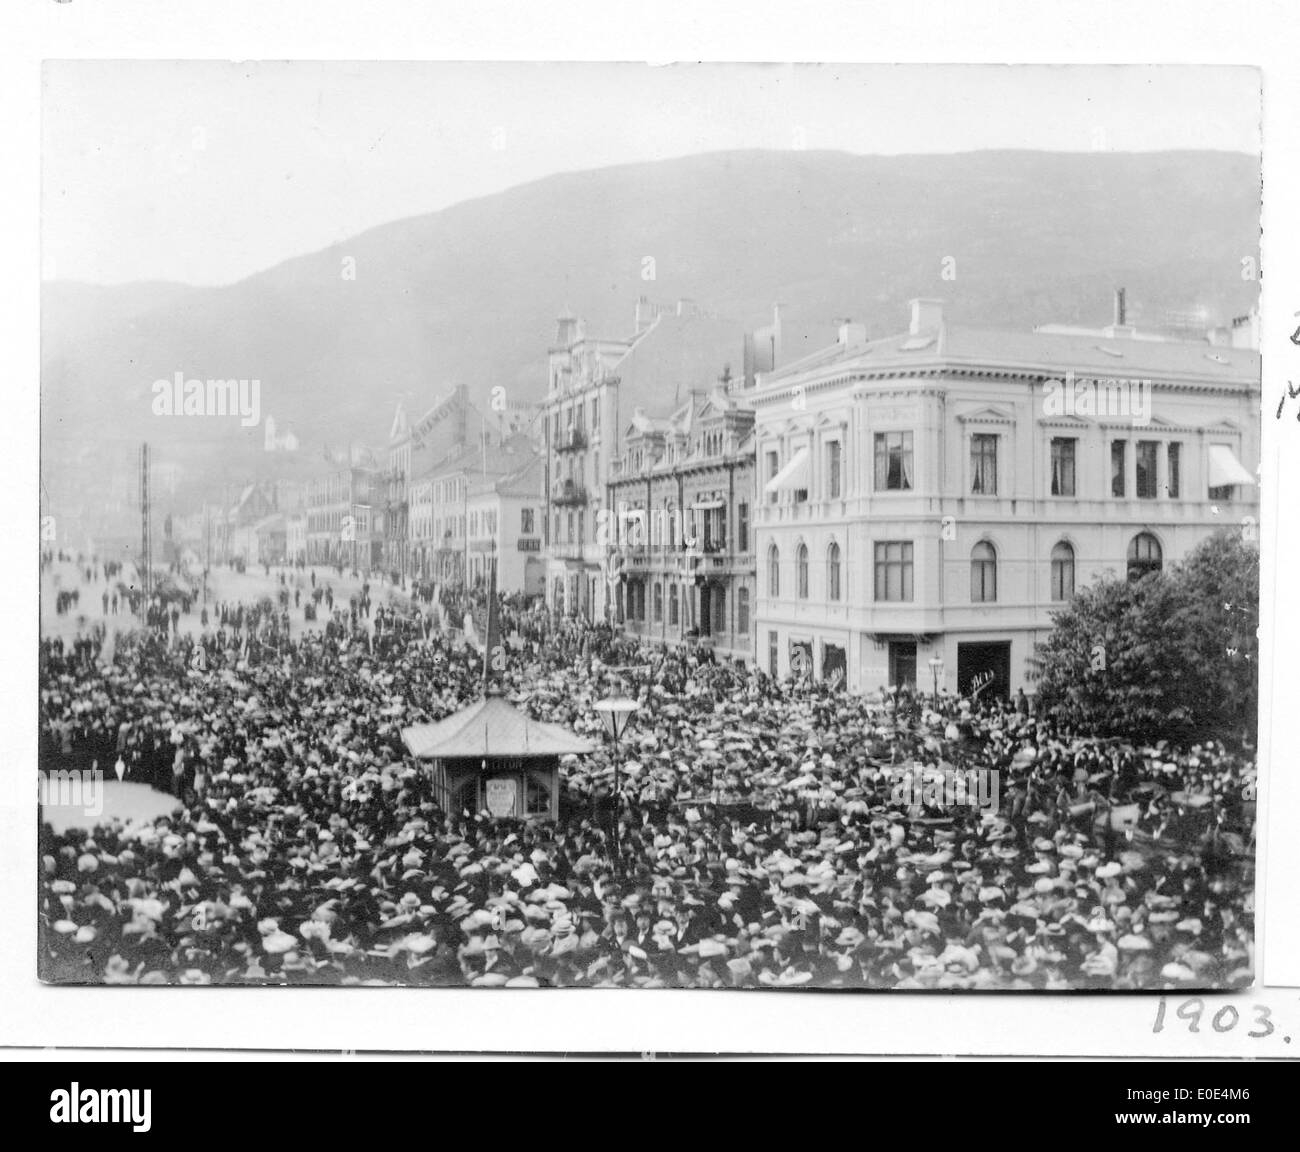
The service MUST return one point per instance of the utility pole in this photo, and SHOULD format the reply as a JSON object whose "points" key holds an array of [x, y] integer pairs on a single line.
{"points": [[146, 558]]}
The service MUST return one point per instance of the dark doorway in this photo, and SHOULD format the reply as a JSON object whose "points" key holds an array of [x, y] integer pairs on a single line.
{"points": [[984, 669], [835, 665], [902, 663]]}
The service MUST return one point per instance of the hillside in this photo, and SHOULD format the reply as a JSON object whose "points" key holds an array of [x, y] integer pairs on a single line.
{"points": [[469, 294]]}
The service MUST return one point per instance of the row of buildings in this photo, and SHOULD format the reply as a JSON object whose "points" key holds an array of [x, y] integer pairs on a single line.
{"points": [[905, 508], [902, 509], [456, 494]]}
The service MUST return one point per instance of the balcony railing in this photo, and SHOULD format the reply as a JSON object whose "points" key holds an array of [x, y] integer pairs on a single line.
{"points": [[568, 493], [571, 440]]}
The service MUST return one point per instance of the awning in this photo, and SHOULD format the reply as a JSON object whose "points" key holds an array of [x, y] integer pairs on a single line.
{"points": [[1225, 469], [492, 728], [793, 475]]}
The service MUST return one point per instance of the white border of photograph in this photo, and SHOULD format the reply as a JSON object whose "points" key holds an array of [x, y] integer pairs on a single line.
{"points": [[1259, 33]]}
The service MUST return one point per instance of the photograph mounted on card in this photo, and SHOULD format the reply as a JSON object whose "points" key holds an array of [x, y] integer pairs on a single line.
{"points": [[589, 525]]}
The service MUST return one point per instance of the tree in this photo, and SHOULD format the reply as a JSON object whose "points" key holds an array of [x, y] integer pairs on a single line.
{"points": [[1173, 655], [1218, 588]]}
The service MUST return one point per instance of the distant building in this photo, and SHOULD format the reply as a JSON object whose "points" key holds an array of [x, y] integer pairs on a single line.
{"points": [[927, 500], [440, 506], [594, 387], [413, 448], [272, 539], [682, 496], [296, 537], [340, 520], [274, 441], [505, 529]]}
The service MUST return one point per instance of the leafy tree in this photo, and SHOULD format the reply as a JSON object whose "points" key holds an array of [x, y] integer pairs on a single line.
{"points": [[1173, 655]]}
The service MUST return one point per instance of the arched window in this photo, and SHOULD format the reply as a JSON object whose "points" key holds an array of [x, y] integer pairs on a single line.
{"points": [[1062, 572], [801, 571], [1144, 556], [773, 572], [833, 572], [983, 573]]}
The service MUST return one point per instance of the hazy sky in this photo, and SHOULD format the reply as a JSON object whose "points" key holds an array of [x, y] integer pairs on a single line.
{"points": [[207, 172]]}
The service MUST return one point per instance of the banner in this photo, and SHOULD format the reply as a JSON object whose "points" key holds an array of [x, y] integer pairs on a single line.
{"points": [[432, 418]]}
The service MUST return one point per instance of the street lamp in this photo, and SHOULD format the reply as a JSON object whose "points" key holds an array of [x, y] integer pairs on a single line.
{"points": [[936, 670], [616, 714]]}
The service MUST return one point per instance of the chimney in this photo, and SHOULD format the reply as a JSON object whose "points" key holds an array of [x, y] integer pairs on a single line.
{"points": [[851, 333], [926, 315], [1121, 312]]}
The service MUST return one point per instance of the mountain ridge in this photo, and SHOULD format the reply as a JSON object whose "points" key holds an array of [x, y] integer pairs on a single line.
{"points": [[468, 294]]}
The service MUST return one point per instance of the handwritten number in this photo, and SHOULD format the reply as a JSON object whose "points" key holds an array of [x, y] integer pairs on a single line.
{"points": [[1262, 1014], [1224, 1020], [1222, 1014], [1188, 1012]]}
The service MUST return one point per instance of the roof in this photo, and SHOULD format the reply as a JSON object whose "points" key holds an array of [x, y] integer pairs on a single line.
{"points": [[1052, 353], [676, 354], [484, 459], [491, 727], [525, 481]]}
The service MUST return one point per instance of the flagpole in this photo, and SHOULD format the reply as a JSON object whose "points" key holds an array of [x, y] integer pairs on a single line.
{"points": [[491, 640]]}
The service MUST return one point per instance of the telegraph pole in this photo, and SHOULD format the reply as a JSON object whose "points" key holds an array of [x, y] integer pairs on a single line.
{"points": [[146, 556]]}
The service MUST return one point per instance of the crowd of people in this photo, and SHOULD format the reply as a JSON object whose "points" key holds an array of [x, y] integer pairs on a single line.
{"points": [[762, 839]]}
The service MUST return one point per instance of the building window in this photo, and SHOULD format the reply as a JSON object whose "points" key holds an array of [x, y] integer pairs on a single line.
{"points": [[1144, 556], [801, 571], [672, 604], [742, 611], [773, 572], [983, 573], [984, 464], [1146, 469], [570, 526], [833, 484], [773, 655], [742, 527], [833, 572], [1063, 466], [1062, 572], [1174, 483], [1118, 451], [526, 521], [893, 461], [537, 796], [595, 414], [773, 467], [893, 570], [659, 602], [715, 530]]}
